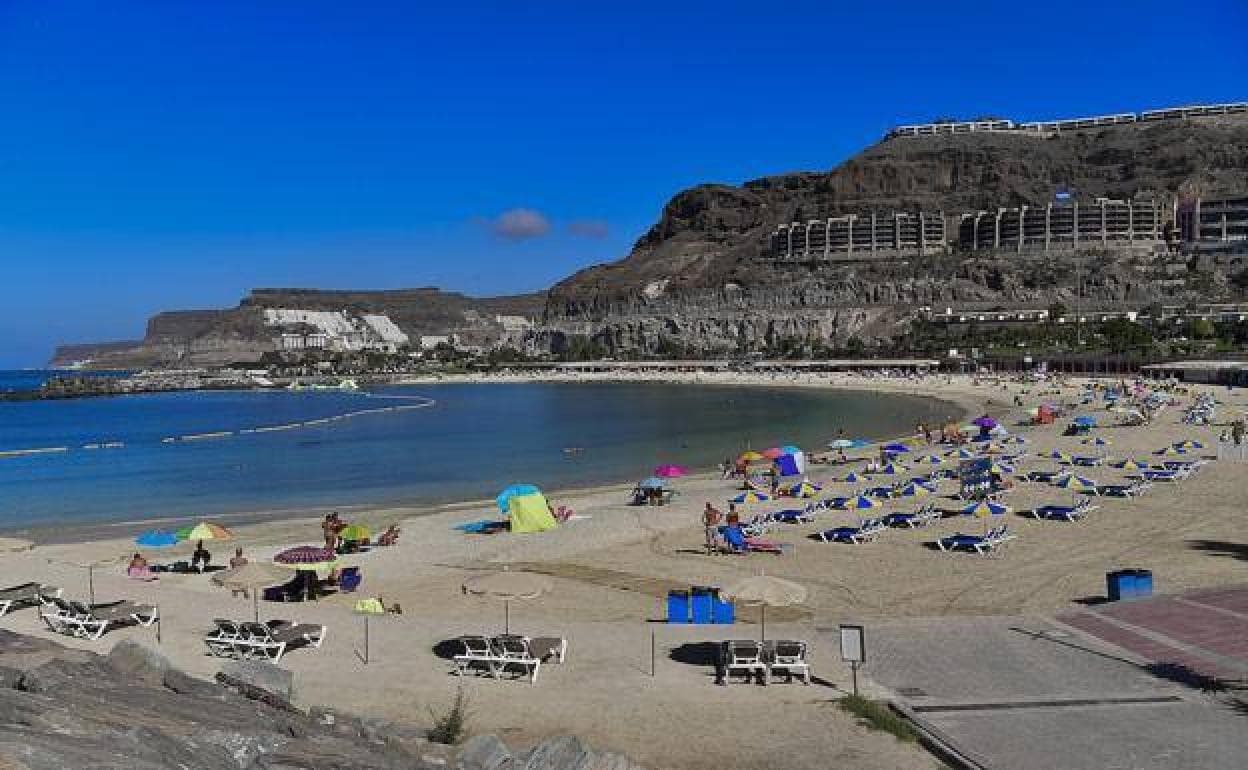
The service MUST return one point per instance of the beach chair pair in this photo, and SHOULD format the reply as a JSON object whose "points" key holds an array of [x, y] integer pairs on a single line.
{"points": [[925, 516], [90, 621], [1134, 489], [755, 659], [26, 595], [866, 531], [271, 640], [1174, 475], [980, 544], [495, 654], [1063, 512]]}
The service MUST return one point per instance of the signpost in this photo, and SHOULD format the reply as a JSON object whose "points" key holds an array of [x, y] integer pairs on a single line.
{"points": [[853, 649]]}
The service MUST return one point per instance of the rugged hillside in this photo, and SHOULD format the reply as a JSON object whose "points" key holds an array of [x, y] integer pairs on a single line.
{"points": [[240, 334], [699, 276]]}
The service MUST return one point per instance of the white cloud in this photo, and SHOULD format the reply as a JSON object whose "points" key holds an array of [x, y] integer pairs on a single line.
{"points": [[520, 224]]}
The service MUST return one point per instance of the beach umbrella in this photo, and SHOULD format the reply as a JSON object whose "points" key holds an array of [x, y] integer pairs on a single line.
{"points": [[652, 483], [508, 586], [1074, 483], [893, 469], [1060, 456], [1170, 451], [960, 454], [1000, 468], [205, 531], [1131, 464], [985, 422], [310, 557], [251, 577], [930, 460], [895, 448], [765, 591], [670, 471], [841, 443], [853, 477], [1188, 445], [1015, 439], [751, 497], [805, 489], [862, 502], [773, 452], [1085, 421], [969, 430], [750, 457], [986, 508], [366, 608], [355, 532], [155, 538], [914, 489]]}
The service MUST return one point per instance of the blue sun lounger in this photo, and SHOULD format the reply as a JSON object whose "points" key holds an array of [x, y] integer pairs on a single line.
{"points": [[1063, 512], [865, 532], [980, 544]]}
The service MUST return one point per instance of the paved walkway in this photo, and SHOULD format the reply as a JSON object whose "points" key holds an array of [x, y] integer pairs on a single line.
{"points": [[1034, 694]]}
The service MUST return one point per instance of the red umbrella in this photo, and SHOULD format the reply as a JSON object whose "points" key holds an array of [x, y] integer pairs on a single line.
{"points": [[773, 453], [670, 471], [306, 556]]}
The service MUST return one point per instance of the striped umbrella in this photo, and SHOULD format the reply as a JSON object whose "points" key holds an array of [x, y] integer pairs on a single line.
{"points": [[1098, 441], [930, 460], [916, 490], [1000, 468], [894, 469], [805, 489], [1074, 483], [853, 477], [751, 497], [1189, 444], [1131, 464], [961, 454], [670, 471], [751, 457], [772, 453], [986, 508], [1170, 451], [1060, 456], [863, 502], [205, 531]]}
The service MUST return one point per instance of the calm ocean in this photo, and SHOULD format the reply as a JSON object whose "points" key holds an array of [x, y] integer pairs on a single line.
{"points": [[469, 443]]}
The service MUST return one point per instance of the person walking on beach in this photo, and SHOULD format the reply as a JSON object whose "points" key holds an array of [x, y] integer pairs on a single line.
{"points": [[710, 521], [238, 559]]}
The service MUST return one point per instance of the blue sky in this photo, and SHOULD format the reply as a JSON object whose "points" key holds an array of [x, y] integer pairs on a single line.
{"points": [[176, 154]]}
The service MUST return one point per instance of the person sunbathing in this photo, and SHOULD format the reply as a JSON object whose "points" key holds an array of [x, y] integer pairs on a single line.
{"points": [[390, 536], [139, 569]]}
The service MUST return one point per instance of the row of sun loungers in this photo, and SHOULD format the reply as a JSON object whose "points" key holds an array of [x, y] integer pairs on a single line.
{"points": [[90, 621], [495, 654], [981, 544], [866, 531], [1063, 512], [765, 660], [26, 595], [269, 640]]}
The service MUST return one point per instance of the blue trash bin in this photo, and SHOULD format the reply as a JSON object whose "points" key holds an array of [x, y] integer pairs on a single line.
{"points": [[1117, 586], [677, 606], [701, 600], [723, 612], [1143, 583]]}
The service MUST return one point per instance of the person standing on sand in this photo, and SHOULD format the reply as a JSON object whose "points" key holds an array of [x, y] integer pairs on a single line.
{"points": [[710, 521]]}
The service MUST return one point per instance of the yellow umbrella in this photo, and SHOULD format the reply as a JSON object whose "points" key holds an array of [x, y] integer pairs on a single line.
{"points": [[206, 531], [751, 456]]}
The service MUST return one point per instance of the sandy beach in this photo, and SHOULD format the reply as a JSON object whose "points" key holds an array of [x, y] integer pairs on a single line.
{"points": [[613, 564]]}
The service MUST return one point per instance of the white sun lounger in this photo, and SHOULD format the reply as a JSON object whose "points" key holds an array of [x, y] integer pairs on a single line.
{"points": [[26, 595], [271, 640], [744, 655], [789, 657], [91, 621]]}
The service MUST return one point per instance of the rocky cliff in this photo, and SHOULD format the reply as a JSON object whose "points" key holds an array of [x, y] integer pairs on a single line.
{"points": [[240, 334], [700, 277]]}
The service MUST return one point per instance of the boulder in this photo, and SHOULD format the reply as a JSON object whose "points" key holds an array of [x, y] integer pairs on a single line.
{"points": [[562, 752], [139, 661], [484, 752], [260, 675]]}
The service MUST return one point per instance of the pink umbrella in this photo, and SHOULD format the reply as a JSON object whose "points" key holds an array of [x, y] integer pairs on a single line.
{"points": [[670, 471], [772, 453]]}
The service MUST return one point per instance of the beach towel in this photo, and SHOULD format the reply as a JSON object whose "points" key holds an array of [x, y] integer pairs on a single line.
{"points": [[482, 527]]}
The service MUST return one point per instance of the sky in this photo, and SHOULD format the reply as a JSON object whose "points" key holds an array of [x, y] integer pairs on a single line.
{"points": [[176, 154]]}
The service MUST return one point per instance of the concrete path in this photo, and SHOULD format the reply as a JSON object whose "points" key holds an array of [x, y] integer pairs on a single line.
{"points": [[1031, 693]]}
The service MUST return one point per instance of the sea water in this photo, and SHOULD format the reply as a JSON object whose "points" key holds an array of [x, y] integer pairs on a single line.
{"points": [[127, 458]]}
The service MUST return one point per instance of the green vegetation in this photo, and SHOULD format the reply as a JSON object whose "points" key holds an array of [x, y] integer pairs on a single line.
{"points": [[450, 726], [878, 716]]}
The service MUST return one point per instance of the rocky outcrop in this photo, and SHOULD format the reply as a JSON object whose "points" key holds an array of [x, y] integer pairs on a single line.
{"points": [[132, 710], [701, 274]]}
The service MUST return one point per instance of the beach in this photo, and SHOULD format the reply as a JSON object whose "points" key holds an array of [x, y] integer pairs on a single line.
{"points": [[612, 566]]}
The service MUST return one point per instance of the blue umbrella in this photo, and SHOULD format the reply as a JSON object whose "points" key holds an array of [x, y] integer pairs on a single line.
{"points": [[895, 448], [986, 508], [853, 478], [654, 482], [1085, 421], [155, 538]]}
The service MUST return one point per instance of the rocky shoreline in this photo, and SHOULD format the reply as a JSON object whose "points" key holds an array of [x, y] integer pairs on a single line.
{"points": [[61, 707]]}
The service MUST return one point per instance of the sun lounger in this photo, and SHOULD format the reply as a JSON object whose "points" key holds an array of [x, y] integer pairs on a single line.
{"points": [[754, 544], [789, 657], [26, 595], [867, 531], [1134, 489], [744, 656], [1167, 475], [1063, 512], [515, 651], [980, 544], [1088, 461], [1043, 476], [91, 621], [271, 640], [923, 517], [479, 654], [222, 638]]}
